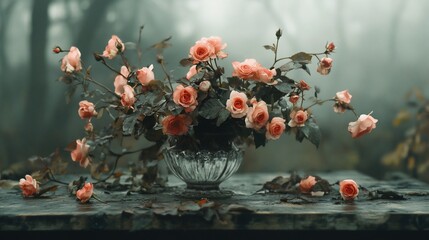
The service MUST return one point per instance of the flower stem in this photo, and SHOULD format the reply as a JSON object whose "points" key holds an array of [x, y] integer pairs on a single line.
{"points": [[104, 87]]}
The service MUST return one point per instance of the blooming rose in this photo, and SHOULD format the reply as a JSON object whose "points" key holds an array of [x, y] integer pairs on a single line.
{"points": [[306, 185], [266, 75], [330, 47], [85, 193], [176, 124], [121, 81], [294, 98], [204, 86], [298, 118], [363, 125], [81, 152], [202, 51], [113, 47], [342, 98], [325, 66], [192, 71], [216, 42], [275, 128], [71, 62], [303, 85], [237, 104], [349, 189], [257, 115], [29, 186], [185, 97], [128, 96], [245, 70], [145, 75], [86, 109]]}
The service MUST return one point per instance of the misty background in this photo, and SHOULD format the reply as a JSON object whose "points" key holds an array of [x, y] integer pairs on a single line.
{"points": [[381, 54]]}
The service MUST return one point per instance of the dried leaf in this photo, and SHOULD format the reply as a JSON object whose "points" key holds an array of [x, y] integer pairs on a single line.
{"points": [[401, 117]]}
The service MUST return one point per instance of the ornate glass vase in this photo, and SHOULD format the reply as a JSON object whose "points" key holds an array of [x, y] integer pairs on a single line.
{"points": [[204, 167]]}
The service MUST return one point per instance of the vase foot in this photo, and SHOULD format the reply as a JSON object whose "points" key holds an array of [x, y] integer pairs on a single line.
{"points": [[209, 194]]}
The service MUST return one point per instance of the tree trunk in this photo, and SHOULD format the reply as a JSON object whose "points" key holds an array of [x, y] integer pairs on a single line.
{"points": [[34, 107]]}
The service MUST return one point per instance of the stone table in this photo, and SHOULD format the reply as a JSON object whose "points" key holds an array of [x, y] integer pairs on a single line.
{"points": [[389, 206]]}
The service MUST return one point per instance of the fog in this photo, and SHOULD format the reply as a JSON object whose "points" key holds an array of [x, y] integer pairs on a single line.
{"points": [[381, 54]]}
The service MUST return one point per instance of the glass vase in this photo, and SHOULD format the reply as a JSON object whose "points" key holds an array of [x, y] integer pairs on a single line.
{"points": [[203, 171]]}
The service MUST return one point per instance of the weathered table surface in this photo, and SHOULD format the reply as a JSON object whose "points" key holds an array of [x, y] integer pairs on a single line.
{"points": [[246, 210]]}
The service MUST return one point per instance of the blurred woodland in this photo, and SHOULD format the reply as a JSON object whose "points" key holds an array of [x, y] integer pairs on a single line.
{"points": [[380, 59]]}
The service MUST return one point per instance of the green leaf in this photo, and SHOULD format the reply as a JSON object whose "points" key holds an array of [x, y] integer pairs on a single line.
{"points": [[259, 139], [210, 108], [235, 82], [129, 123], [312, 132], [283, 102], [299, 135], [186, 62], [284, 87], [301, 57], [306, 69], [223, 115], [270, 47]]}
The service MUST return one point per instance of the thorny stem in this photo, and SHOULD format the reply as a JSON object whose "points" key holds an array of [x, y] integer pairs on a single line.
{"points": [[320, 102], [125, 61], [102, 86], [161, 62], [275, 52], [103, 61], [284, 58], [118, 156], [139, 50], [52, 178], [96, 198]]}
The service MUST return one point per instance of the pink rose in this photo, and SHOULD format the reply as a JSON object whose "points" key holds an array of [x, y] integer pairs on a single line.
{"points": [[257, 115], [128, 96], [275, 128], [176, 124], [325, 66], [28, 186], [303, 85], [343, 96], [121, 81], [237, 104], [71, 62], [202, 51], [145, 75], [245, 70], [306, 185], [216, 42], [85, 193], [192, 72], [185, 97], [266, 75], [363, 125], [113, 47], [330, 47], [204, 86], [86, 109], [298, 118], [81, 153], [349, 189], [342, 100], [293, 98]]}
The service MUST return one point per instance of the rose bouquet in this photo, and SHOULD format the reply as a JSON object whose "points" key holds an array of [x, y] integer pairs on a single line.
{"points": [[207, 109]]}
